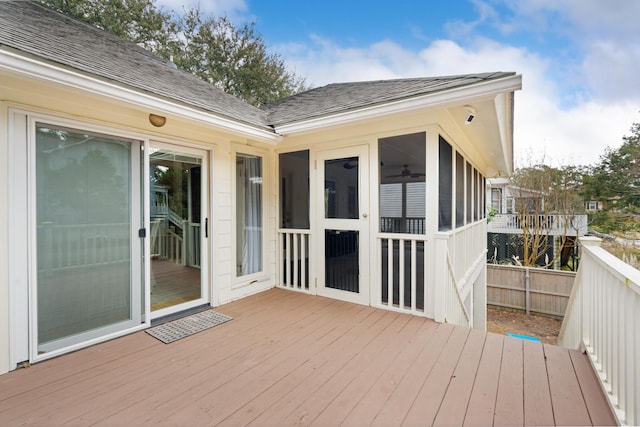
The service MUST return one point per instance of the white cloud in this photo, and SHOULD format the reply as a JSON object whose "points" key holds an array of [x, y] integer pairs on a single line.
{"points": [[231, 8], [575, 135]]}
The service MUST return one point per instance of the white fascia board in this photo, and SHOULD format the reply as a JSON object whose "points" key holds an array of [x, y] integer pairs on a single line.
{"points": [[29, 67], [438, 99]]}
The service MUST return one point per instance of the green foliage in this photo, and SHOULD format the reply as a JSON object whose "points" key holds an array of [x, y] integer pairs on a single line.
{"points": [[234, 59], [618, 173], [615, 221]]}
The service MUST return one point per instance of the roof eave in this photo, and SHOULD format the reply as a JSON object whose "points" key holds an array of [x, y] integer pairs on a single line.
{"points": [[431, 100], [45, 71]]}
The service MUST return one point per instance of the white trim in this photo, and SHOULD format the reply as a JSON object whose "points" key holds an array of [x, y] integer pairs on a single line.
{"points": [[361, 224], [205, 288], [48, 72], [90, 342], [18, 220], [261, 276], [136, 276], [432, 100]]}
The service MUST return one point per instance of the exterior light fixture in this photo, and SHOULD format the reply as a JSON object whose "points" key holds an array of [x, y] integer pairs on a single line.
{"points": [[157, 121]]}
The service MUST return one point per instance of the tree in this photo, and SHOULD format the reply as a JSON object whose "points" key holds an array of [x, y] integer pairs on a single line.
{"points": [[618, 173], [546, 204], [234, 59], [138, 21]]}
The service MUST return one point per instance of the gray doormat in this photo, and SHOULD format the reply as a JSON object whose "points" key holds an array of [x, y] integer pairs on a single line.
{"points": [[181, 328]]}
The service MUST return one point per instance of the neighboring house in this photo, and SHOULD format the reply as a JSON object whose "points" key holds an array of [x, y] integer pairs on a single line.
{"points": [[593, 205], [132, 190], [504, 239]]}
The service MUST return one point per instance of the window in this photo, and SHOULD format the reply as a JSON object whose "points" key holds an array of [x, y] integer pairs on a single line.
{"points": [[469, 193], [294, 190], [459, 190], [402, 183], [248, 214], [445, 186], [476, 194], [496, 199]]}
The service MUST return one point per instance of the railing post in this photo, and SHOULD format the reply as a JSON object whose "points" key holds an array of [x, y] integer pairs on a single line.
{"points": [[527, 290], [441, 278], [185, 233]]}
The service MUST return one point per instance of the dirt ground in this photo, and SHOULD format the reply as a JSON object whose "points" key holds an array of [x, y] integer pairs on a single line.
{"points": [[503, 321]]}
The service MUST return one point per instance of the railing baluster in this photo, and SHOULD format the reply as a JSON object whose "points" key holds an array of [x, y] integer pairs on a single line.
{"points": [[288, 282], [294, 282], [413, 275], [303, 268], [401, 273], [390, 272]]}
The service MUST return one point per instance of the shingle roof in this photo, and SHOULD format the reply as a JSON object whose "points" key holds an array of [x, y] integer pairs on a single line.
{"points": [[35, 29], [38, 30], [342, 97]]}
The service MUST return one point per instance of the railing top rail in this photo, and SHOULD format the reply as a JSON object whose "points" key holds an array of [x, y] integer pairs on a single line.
{"points": [[403, 236], [458, 230], [624, 272], [294, 230]]}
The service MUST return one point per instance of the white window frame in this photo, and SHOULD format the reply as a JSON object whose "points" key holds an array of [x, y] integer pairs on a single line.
{"points": [[32, 119], [262, 275]]}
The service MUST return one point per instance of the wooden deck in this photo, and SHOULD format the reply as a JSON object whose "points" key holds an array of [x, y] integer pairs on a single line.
{"points": [[293, 359]]}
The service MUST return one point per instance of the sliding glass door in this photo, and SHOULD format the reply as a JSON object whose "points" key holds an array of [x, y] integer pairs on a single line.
{"points": [[88, 252], [178, 219]]}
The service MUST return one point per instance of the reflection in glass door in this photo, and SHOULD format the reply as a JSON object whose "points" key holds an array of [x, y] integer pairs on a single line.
{"points": [[178, 221], [88, 211], [344, 239]]}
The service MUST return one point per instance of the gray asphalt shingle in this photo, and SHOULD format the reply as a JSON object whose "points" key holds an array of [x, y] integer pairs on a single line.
{"points": [[40, 31], [343, 97]]}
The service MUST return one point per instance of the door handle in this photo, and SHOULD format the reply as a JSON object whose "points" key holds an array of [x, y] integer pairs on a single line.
{"points": [[364, 215]]}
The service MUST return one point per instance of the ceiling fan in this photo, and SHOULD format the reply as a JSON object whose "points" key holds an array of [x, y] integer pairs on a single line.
{"points": [[406, 173]]}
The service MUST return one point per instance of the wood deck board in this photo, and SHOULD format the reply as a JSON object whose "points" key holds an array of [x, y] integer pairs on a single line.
{"points": [[380, 375], [343, 376], [397, 406], [427, 402], [509, 400], [482, 402], [599, 410], [293, 359], [456, 399], [569, 407], [537, 398], [247, 350], [257, 379]]}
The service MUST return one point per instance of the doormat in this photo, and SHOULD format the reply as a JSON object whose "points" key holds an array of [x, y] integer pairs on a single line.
{"points": [[181, 328]]}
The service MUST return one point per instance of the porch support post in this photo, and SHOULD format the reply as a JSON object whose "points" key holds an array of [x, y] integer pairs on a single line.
{"points": [[441, 271]]}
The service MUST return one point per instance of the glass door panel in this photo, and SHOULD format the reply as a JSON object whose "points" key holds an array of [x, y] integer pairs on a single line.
{"points": [[177, 185], [86, 257], [344, 224]]}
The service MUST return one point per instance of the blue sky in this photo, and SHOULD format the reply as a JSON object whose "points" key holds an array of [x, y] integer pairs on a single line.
{"points": [[579, 58]]}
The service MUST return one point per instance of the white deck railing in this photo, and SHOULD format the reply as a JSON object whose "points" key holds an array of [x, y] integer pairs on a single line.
{"points": [[293, 259], [603, 318], [405, 265], [554, 225], [69, 246], [455, 310], [460, 258], [168, 245]]}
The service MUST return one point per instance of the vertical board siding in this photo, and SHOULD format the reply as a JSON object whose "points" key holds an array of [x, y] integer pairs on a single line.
{"points": [[549, 290]]}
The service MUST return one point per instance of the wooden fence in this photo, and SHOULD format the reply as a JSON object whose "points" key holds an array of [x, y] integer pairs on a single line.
{"points": [[532, 290]]}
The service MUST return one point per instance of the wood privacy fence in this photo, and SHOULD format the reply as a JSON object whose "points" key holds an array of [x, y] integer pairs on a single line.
{"points": [[533, 290]]}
